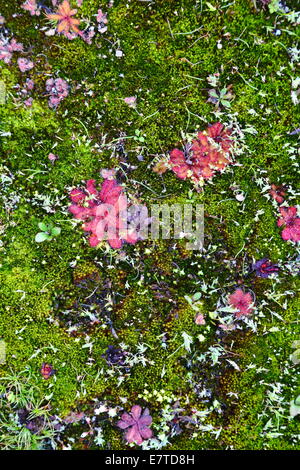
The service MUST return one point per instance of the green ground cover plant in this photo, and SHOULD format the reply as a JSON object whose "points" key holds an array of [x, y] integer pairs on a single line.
{"points": [[127, 342]]}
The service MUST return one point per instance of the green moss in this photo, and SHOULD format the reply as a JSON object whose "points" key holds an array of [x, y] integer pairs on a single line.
{"points": [[169, 49]]}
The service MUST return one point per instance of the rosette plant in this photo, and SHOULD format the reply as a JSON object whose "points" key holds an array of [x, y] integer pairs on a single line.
{"points": [[48, 232]]}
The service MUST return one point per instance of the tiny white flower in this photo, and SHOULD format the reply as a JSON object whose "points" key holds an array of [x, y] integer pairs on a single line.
{"points": [[101, 409], [240, 197], [112, 412]]}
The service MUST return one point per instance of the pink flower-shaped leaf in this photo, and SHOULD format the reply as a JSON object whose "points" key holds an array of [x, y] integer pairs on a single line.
{"points": [[125, 421], [133, 435]]}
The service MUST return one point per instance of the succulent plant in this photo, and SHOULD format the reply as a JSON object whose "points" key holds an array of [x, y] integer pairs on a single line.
{"points": [[137, 424], [209, 152]]}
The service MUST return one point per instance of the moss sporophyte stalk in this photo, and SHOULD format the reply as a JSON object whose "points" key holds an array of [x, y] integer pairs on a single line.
{"points": [[149, 225]]}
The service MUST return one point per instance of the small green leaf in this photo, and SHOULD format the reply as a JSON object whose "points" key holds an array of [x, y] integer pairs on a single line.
{"points": [[197, 296], [213, 93], [274, 7], [42, 226], [211, 7], [212, 315], [189, 300], [55, 231], [41, 237], [226, 103], [11, 397]]}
